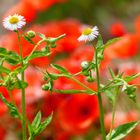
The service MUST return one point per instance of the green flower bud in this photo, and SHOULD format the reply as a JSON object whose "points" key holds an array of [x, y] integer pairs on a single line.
{"points": [[31, 34], [90, 79], [86, 73], [100, 56], [85, 64], [45, 87]]}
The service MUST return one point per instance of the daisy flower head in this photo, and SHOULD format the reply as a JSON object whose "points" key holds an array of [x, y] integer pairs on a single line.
{"points": [[89, 34], [14, 22]]}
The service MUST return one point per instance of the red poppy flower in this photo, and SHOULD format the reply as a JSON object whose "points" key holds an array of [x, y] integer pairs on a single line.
{"points": [[117, 29], [77, 113], [2, 133], [42, 4]]}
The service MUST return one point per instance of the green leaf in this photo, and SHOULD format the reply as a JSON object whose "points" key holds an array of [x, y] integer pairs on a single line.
{"points": [[50, 84], [12, 108], [132, 77], [130, 91], [111, 41], [111, 95], [37, 54], [9, 56], [37, 120], [61, 69], [44, 124], [4, 70], [99, 41], [122, 131], [53, 76], [42, 36], [111, 73], [30, 129], [28, 39], [21, 84]]}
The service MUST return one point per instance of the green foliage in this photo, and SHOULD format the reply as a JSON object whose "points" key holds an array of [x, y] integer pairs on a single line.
{"points": [[132, 77], [111, 41], [59, 68], [130, 91], [37, 126], [11, 107], [4, 70], [121, 131], [73, 91], [28, 39], [37, 54], [9, 56]]}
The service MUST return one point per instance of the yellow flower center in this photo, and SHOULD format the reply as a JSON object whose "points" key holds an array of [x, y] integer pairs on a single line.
{"points": [[14, 20], [87, 31]]}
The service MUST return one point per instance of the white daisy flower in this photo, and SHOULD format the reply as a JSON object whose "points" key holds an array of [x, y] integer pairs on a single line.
{"points": [[89, 34], [14, 22]]}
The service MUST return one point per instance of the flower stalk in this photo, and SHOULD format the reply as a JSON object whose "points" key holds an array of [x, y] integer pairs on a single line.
{"points": [[23, 93], [99, 97]]}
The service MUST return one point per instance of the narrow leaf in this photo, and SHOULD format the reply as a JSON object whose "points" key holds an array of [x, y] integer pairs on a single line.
{"points": [[122, 131], [28, 39], [111, 41], [132, 77], [37, 120], [42, 36], [4, 70], [99, 42], [61, 69], [44, 124]]}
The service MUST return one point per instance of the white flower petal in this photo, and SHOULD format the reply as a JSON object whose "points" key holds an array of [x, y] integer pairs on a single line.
{"points": [[14, 26], [91, 36]]}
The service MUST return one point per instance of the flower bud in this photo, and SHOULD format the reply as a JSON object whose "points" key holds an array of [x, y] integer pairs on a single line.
{"points": [[90, 79], [100, 56], [84, 64], [31, 34], [45, 87], [86, 73]]}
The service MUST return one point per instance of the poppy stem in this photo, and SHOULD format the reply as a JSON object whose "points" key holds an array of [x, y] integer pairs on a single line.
{"points": [[99, 97]]}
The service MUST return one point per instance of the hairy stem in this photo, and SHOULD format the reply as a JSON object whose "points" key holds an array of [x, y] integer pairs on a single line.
{"points": [[99, 98], [23, 93], [113, 112]]}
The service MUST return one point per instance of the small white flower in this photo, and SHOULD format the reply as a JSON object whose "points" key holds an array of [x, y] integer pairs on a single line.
{"points": [[14, 22], [89, 34]]}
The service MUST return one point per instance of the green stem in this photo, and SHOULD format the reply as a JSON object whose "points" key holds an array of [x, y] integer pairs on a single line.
{"points": [[23, 93], [35, 47], [71, 91], [113, 112], [99, 98], [78, 82]]}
